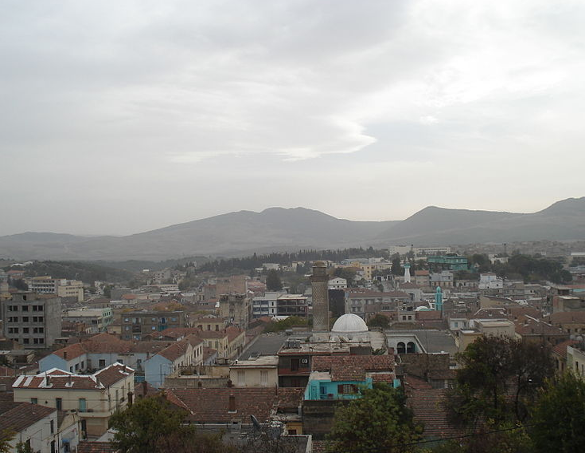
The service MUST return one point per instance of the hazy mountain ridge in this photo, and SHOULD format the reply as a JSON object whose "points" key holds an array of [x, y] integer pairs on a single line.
{"points": [[289, 229]]}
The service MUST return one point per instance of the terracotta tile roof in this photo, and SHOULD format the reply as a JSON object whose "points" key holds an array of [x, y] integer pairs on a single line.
{"points": [[175, 350], [352, 367], [428, 315], [427, 406], [18, 416], [289, 397], [113, 373], [149, 346], [567, 317], [86, 446], [207, 334], [561, 348], [71, 352], [527, 325], [211, 405], [412, 382], [233, 333]]}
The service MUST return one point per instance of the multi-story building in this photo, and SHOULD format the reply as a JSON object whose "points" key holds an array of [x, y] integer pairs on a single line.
{"points": [[292, 305], [96, 319], [360, 302], [236, 308], [444, 279], [94, 397], [33, 320], [58, 286], [265, 305], [136, 324]]}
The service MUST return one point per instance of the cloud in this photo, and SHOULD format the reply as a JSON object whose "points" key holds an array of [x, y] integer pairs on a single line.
{"points": [[184, 93]]}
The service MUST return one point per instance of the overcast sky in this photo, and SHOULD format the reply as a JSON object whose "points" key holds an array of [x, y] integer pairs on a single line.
{"points": [[119, 116]]}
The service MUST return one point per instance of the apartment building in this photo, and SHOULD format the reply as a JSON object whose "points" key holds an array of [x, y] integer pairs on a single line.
{"points": [[58, 286], [33, 320], [136, 324], [94, 397]]}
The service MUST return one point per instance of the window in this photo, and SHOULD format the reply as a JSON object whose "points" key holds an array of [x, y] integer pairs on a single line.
{"points": [[59, 403], [25, 308], [26, 341], [82, 405], [25, 319], [401, 348], [102, 363], [33, 401], [52, 429], [347, 389], [294, 364], [264, 378], [241, 377]]}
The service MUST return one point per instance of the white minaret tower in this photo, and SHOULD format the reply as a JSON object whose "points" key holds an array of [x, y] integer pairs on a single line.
{"points": [[407, 273]]}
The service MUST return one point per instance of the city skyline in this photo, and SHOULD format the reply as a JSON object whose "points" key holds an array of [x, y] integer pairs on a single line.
{"points": [[123, 117]]}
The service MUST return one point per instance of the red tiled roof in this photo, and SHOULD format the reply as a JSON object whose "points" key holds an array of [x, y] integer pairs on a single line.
{"points": [[233, 333], [427, 406], [561, 348], [211, 405], [352, 367], [86, 446], [175, 350], [567, 317], [71, 352], [18, 416], [290, 397]]}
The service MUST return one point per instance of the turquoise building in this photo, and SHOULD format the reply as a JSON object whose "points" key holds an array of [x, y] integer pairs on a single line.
{"points": [[341, 377]]}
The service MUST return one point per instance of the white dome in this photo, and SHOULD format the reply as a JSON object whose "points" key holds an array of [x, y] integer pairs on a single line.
{"points": [[349, 323]]}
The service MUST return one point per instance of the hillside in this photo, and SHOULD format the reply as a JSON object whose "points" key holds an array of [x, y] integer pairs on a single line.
{"points": [[279, 229]]}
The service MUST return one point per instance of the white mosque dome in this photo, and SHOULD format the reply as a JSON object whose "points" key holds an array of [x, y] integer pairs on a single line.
{"points": [[349, 323]]}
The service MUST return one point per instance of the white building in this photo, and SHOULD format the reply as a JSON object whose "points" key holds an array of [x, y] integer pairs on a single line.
{"points": [[337, 283], [490, 281]]}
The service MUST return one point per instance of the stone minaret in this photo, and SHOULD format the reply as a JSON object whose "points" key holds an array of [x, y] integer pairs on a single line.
{"points": [[319, 281]]}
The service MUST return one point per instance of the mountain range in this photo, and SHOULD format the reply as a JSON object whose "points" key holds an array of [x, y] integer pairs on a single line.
{"points": [[279, 229]]}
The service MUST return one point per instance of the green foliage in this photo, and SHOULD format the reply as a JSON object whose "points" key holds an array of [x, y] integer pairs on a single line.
{"points": [[222, 266], [346, 273], [22, 447], [273, 282], [379, 421], [72, 270], [498, 380], [379, 321], [506, 438], [149, 421], [5, 437], [396, 268], [288, 323], [558, 417]]}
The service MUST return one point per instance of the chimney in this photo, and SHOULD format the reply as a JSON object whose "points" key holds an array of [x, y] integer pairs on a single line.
{"points": [[65, 355], [319, 281], [144, 388]]}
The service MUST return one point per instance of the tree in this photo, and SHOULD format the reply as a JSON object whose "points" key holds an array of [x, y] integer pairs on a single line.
{"points": [[5, 437], [396, 267], [273, 282], [498, 380], [379, 321], [558, 417], [154, 425], [378, 421]]}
